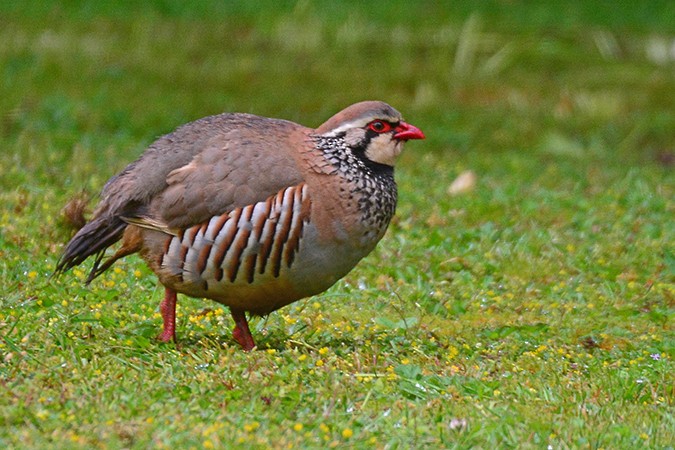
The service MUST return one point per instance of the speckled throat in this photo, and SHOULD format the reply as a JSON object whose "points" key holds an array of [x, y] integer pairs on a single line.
{"points": [[372, 184]]}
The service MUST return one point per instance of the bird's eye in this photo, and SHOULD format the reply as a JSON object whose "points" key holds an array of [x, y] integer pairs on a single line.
{"points": [[379, 126]]}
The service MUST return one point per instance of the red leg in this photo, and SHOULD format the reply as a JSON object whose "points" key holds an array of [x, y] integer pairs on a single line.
{"points": [[168, 310], [241, 332]]}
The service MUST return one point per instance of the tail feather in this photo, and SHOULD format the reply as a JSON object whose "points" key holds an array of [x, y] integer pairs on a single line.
{"points": [[93, 239]]}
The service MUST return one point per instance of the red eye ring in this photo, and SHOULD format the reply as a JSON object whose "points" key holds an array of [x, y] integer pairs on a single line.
{"points": [[379, 126]]}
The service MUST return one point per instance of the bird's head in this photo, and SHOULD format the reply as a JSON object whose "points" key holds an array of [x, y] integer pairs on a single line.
{"points": [[372, 130]]}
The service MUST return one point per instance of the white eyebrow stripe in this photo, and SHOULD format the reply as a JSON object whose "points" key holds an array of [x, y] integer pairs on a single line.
{"points": [[360, 123]]}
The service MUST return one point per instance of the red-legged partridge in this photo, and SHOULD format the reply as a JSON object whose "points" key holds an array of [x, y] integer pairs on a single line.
{"points": [[251, 212]]}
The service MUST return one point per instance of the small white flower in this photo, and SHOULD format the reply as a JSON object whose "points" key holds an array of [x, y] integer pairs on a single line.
{"points": [[457, 424]]}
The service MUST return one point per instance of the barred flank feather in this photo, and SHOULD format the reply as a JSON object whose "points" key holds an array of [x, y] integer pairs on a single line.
{"points": [[247, 241]]}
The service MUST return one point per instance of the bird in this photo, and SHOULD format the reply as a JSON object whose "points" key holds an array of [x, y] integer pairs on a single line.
{"points": [[251, 212]]}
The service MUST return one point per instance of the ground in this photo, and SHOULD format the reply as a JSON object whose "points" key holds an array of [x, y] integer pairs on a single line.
{"points": [[531, 308]]}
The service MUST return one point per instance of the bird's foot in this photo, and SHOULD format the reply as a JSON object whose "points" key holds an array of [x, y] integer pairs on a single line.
{"points": [[241, 332], [167, 336], [168, 310]]}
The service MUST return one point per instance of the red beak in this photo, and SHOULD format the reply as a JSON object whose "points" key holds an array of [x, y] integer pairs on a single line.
{"points": [[405, 131]]}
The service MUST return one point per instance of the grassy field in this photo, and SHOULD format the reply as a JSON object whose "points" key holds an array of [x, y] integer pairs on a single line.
{"points": [[532, 311]]}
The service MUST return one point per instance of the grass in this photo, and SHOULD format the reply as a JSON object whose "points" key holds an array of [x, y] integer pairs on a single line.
{"points": [[533, 311]]}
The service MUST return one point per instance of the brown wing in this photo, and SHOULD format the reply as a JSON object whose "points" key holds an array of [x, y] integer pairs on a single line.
{"points": [[243, 167], [206, 168]]}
